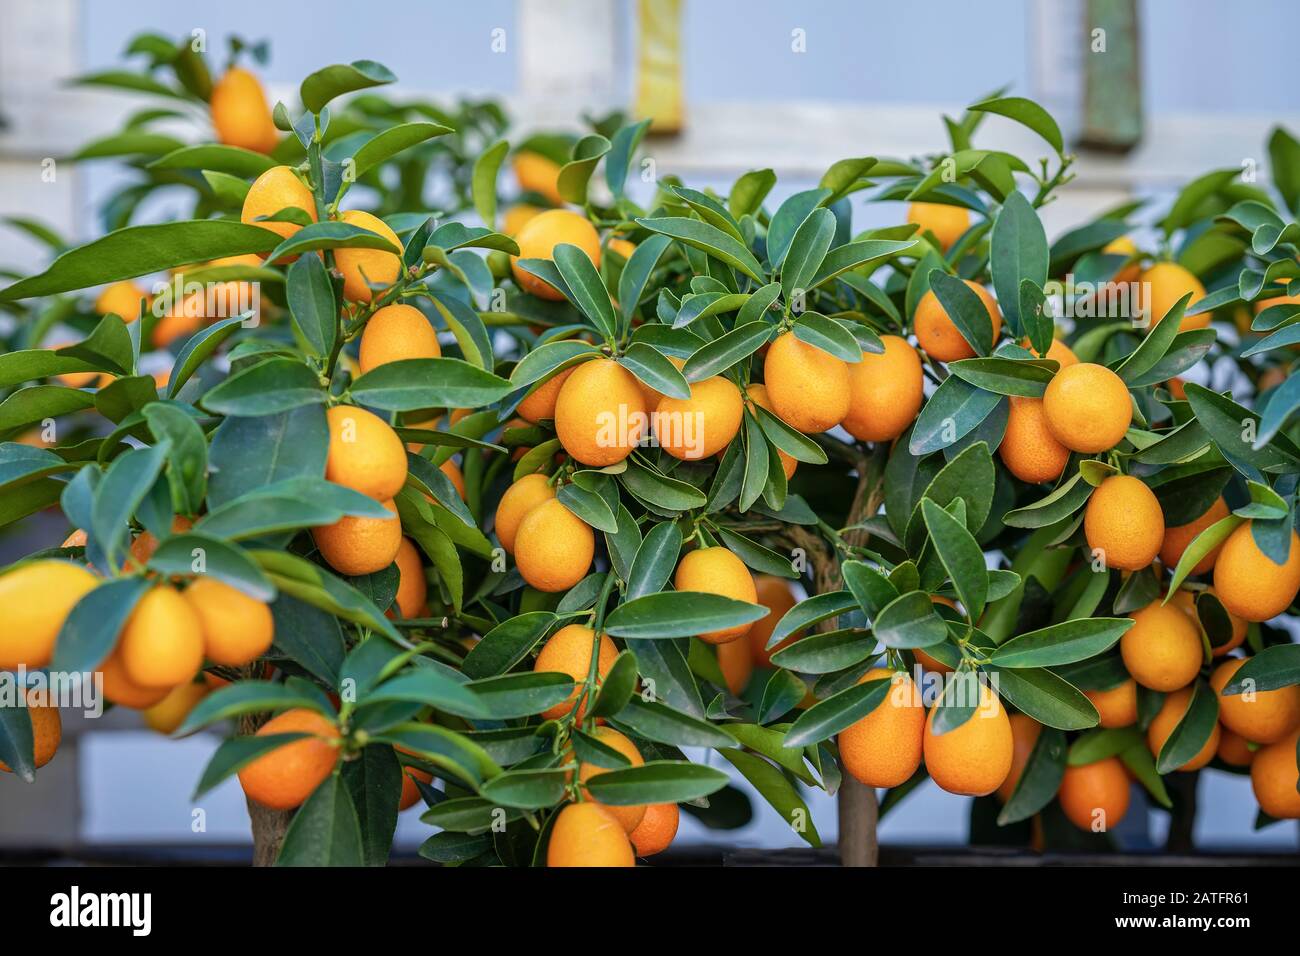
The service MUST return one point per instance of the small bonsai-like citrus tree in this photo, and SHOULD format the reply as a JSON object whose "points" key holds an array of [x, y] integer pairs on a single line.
{"points": [[543, 519]]}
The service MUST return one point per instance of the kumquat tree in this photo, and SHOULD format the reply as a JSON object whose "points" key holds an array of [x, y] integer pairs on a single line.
{"points": [[555, 520]]}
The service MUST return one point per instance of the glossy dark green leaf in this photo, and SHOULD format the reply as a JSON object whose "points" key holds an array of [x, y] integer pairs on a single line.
{"points": [[1017, 251], [953, 411], [666, 725], [428, 383], [965, 309], [1192, 731], [655, 560], [828, 717], [657, 781], [340, 78], [267, 388], [91, 629], [1040, 779], [141, 250], [1062, 643], [325, 831], [312, 305], [680, 614], [961, 555], [910, 621], [1049, 699]]}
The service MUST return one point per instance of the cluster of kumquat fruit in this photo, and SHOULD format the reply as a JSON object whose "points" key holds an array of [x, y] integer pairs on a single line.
{"points": [[511, 516]]}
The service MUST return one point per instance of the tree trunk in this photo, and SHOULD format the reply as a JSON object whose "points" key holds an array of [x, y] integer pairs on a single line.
{"points": [[858, 817], [268, 825], [856, 802], [1182, 820]]}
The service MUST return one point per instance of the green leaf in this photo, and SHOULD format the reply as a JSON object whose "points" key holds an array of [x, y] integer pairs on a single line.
{"points": [[235, 754], [724, 352], [589, 506], [123, 487], [828, 335], [325, 831], [585, 288], [374, 782], [247, 697], [622, 148], [484, 181], [680, 614], [1004, 376], [575, 175], [749, 191], [1272, 668], [506, 644], [660, 490], [28, 364], [954, 410], [313, 584], [666, 725], [268, 388], [1017, 251], [198, 349], [656, 781], [653, 368], [1062, 643], [1153, 348], [327, 83], [215, 157], [428, 383], [710, 210], [965, 309], [526, 789], [791, 441], [187, 453], [812, 611], [1192, 732], [521, 695], [180, 554], [17, 744], [546, 359], [387, 144], [1227, 424], [787, 219], [312, 305], [853, 255], [812, 240], [1284, 156], [708, 239], [435, 687], [961, 556], [843, 177], [655, 560], [1142, 765], [1040, 779], [828, 717], [1027, 113], [329, 235], [140, 250], [910, 621], [1049, 699], [251, 453], [1057, 506], [618, 687], [828, 652], [91, 629], [636, 274], [1102, 742], [777, 790]]}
